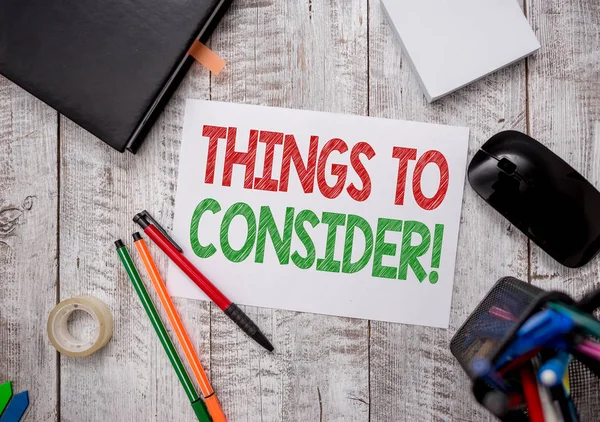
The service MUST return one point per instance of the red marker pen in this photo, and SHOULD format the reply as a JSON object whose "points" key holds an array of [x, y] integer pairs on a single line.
{"points": [[175, 253]]}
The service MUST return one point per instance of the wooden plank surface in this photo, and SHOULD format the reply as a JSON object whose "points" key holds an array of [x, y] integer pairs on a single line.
{"points": [[28, 247], [413, 374], [564, 111], [286, 54], [315, 55], [101, 192]]}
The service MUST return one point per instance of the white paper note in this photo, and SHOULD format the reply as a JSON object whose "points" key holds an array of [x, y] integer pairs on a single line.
{"points": [[319, 212], [450, 44]]}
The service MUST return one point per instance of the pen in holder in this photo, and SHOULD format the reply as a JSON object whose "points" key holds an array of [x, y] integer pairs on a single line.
{"points": [[483, 345]]}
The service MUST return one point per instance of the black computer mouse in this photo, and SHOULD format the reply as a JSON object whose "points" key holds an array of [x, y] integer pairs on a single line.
{"points": [[540, 194]]}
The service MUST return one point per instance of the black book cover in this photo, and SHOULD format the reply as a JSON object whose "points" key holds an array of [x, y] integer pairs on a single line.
{"points": [[108, 65]]}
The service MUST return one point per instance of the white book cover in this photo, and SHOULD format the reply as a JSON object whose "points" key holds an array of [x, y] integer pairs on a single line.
{"points": [[319, 212], [452, 43]]}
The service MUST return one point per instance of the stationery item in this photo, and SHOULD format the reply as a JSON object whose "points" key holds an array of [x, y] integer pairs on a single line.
{"points": [[546, 319], [567, 383], [175, 253], [534, 188], [511, 294], [502, 314], [543, 329], [108, 66], [479, 346], [566, 389], [62, 339], [532, 396], [585, 321], [548, 405], [591, 351], [518, 361], [548, 409], [5, 395], [553, 370], [210, 398], [16, 408], [206, 57], [589, 362], [567, 408], [450, 44], [197, 403], [482, 368], [520, 348], [489, 328], [515, 399], [591, 344], [549, 327], [318, 212]]}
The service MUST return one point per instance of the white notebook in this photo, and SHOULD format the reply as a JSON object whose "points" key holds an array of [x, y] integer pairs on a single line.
{"points": [[451, 43]]}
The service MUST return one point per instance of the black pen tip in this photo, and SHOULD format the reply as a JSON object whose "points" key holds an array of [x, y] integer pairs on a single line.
{"points": [[137, 236], [245, 323], [140, 218], [262, 340], [119, 244]]}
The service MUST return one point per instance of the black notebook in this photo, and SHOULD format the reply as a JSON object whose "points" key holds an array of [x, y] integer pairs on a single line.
{"points": [[108, 65]]}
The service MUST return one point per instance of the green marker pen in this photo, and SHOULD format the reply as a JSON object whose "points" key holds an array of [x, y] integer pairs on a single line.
{"points": [[197, 403]]}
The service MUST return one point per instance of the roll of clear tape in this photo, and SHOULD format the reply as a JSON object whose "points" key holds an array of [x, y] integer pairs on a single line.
{"points": [[63, 340]]}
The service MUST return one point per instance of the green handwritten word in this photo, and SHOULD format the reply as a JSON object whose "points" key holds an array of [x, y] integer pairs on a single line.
{"points": [[416, 240]]}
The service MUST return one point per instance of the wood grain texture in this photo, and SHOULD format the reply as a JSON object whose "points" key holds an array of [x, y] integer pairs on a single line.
{"points": [[307, 55], [101, 190], [413, 374], [194, 314], [565, 116], [28, 247], [565, 112]]}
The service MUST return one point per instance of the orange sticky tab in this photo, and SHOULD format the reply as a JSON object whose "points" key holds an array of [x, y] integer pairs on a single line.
{"points": [[206, 57]]}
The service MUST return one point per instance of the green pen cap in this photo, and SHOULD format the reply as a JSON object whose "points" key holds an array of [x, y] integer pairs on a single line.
{"points": [[201, 411]]}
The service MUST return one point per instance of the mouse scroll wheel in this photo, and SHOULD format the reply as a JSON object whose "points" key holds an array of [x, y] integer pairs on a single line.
{"points": [[507, 166]]}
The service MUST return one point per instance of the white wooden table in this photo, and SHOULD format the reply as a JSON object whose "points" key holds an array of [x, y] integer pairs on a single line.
{"points": [[65, 196]]}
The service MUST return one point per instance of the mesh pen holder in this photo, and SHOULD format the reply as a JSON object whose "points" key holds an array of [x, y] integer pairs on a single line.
{"points": [[492, 326]]}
